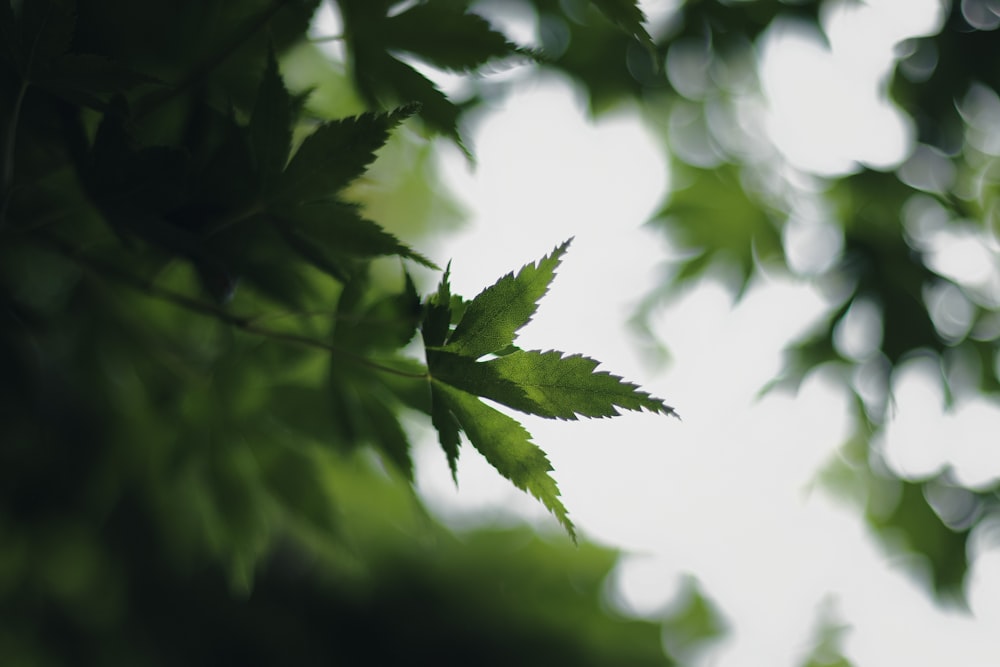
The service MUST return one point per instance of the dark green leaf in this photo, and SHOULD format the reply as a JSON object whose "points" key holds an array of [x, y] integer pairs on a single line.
{"points": [[446, 37], [88, 73], [447, 427], [627, 15], [339, 232], [437, 313], [507, 447], [384, 80], [271, 125], [335, 154], [494, 316], [387, 323], [388, 436], [46, 31]]}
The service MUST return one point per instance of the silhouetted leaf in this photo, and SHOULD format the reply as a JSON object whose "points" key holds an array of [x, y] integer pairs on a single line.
{"points": [[270, 128], [338, 232], [446, 36], [335, 154]]}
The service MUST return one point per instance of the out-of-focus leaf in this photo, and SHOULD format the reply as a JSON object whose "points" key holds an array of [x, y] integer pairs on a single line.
{"points": [[914, 526], [335, 154], [446, 36], [270, 128], [627, 15], [331, 234], [714, 218]]}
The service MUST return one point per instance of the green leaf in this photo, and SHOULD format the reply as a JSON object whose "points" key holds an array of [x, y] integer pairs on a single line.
{"points": [[437, 313], [335, 154], [446, 37], [713, 217], [495, 315], [507, 447], [386, 323], [481, 379], [270, 127], [627, 16], [547, 384], [383, 79], [567, 386], [331, 233], [387, 434], [447, 427]]}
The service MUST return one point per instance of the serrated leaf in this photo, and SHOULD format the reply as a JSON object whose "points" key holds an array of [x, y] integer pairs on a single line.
{"points": [[335, 154], [336, 232], [492, 319], [507, 446], [381, 79], [447, 427], [437, 313], [270, 127], [547, 384], [568, 386], [480, 379], [446, 37]]}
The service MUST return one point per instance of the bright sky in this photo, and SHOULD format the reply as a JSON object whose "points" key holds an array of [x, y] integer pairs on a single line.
{"points": [[728, 494]]}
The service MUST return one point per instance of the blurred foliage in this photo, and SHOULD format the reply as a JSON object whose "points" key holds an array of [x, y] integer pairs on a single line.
{"points": [[204, 370], [205, 373]]}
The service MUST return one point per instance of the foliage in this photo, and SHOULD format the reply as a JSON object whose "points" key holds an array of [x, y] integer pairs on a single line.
{"points": [[200, 347], [210, 313]]}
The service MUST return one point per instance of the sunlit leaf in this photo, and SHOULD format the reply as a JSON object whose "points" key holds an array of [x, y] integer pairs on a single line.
{"points": [[494, 316], [507, 447]]}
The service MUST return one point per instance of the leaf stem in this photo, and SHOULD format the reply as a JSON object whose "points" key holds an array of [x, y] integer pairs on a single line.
{"points": [[241, 322]]}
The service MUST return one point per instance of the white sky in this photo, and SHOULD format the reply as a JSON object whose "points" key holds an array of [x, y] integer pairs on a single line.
{"points": [[728, 494]]}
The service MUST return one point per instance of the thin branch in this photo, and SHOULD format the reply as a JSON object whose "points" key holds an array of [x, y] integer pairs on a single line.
{"points": [[241, 322], [327, 38]]}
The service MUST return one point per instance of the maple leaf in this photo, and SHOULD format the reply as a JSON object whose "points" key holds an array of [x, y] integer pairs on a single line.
{"points": [[507, 446], [496, 314], [548, 384]]}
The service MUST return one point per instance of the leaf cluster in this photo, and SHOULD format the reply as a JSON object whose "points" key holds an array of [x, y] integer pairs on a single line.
{"points": [[202, 340]]}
